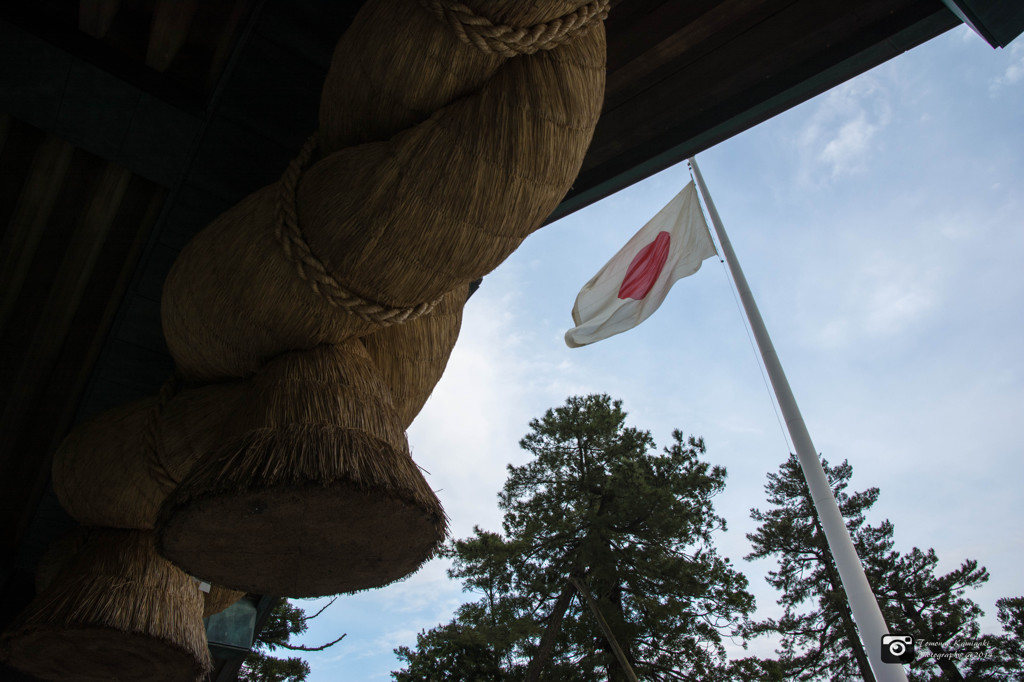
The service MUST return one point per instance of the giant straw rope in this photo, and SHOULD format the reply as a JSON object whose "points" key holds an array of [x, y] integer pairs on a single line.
{"points": [[282, 435]]}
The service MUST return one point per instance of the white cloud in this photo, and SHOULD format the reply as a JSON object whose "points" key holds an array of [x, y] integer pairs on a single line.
{"points": [[897, 301], [1014, 72], [877, 299], [837, 139], [849, 146]]}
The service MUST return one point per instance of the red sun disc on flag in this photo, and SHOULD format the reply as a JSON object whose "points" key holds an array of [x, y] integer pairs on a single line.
{"points": [[644, 270]]}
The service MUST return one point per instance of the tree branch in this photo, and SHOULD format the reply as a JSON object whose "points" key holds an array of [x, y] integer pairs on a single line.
{"points": [[307, 618], [299, 647]]}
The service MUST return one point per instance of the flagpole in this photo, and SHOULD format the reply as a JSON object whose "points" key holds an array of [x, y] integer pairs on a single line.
{"points": [[862, 601]]}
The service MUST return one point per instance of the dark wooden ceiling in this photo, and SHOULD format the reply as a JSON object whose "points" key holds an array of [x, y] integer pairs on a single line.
{"points": [[126, 125]]}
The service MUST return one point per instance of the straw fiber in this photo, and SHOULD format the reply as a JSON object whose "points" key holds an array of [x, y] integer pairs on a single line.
{"points": [[218, 599], [437, 61], [412, 356], [313, 270], [115, 470], [404, 233], [397, 222], [369, 100], [57, 556], [105, 473], [117, 612], [192, 423], [63, 551], [320, 495], [448, 133]]}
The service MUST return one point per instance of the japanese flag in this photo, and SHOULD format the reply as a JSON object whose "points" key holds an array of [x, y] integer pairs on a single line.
{"points": [[632, 285]]}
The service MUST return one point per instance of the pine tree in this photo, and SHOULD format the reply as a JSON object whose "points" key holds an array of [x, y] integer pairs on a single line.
{"points": [[819, 637], [822, 642], [932, 608], [1002, 656], [455, 651], [599, 511]]}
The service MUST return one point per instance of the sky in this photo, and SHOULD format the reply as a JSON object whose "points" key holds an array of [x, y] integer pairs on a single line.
{"points": [[881, 228]]}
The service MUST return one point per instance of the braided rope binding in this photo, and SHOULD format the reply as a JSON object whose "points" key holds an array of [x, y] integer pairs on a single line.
{"points": [[509, 41], [312, 269]]}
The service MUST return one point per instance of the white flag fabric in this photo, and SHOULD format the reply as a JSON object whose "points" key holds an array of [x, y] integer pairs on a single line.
{"points": [[631, 286]]}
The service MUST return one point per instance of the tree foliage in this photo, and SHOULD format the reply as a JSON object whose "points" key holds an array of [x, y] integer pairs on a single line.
{"points": [[600, 505], [931, 607], [1002, 658], [452, 651], [819, 637], [259, 667]]}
